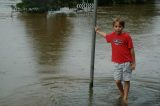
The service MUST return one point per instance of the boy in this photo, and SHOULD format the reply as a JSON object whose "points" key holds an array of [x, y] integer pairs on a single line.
{"points": [[123, 55]]}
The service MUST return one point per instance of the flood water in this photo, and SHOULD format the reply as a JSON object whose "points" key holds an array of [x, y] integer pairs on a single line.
{"points": [[45, 59]]}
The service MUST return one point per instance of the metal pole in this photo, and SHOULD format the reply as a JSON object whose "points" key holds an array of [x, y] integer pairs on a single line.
{"points": [[93, 45]]}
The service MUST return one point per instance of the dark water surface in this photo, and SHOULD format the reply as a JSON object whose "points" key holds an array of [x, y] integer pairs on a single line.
{"points": [[45, 59]]}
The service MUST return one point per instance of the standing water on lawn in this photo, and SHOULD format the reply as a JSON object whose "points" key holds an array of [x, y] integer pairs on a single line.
{"points": [[45, 59]]}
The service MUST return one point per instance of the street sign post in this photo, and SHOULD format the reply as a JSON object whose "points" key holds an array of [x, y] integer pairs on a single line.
{"points": [[93, 45]]}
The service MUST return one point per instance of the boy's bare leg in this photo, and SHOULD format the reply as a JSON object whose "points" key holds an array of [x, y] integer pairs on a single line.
{"points": [[120, 87], [126, 89]]}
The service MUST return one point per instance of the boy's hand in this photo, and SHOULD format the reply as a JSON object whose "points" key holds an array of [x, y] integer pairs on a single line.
{"points": [[97, 28], [133, 65]]}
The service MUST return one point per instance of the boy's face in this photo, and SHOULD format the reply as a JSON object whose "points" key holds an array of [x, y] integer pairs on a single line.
{"points": [[118, 28]]}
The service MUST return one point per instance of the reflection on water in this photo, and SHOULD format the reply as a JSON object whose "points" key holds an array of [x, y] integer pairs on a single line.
{"points": [[57, 42], [45, 60]]}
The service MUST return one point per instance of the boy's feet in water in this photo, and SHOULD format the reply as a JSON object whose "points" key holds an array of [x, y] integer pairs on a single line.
{"points": [[121, 95], [125, 100]]}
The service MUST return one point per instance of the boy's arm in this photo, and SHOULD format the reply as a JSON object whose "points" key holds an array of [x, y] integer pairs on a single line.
{"points": [[133, 63], [97, 29]]}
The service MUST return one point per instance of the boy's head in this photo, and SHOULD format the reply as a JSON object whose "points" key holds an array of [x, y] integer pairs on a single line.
{"points": [[118, 25], [120, 21]]}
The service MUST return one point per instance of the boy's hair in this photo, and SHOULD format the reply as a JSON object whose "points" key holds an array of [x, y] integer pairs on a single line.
{"points": [[121, 22]]}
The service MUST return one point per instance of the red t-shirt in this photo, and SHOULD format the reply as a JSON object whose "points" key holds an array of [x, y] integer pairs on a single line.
{"points": [[121, 45]]}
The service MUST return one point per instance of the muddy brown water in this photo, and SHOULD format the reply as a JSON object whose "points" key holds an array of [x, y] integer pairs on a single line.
{"points": [[45, 59]]}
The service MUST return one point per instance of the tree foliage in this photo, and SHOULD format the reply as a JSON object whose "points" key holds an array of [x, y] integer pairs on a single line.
{"points": [[45, 5]]}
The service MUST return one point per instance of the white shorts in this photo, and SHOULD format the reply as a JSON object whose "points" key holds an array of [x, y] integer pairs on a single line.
{"points": [[122, 71]]}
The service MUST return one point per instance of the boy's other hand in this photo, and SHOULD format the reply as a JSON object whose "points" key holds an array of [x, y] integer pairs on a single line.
{"points": [[133, 66]]}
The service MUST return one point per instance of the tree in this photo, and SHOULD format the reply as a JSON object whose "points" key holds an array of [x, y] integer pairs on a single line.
{"points": [[45, 5]]}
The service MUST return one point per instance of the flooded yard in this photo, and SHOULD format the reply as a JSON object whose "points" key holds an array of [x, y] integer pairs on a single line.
{"points": [[45, 59]]}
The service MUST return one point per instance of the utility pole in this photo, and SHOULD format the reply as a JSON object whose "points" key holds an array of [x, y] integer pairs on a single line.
{"points": [[93, 45]]}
